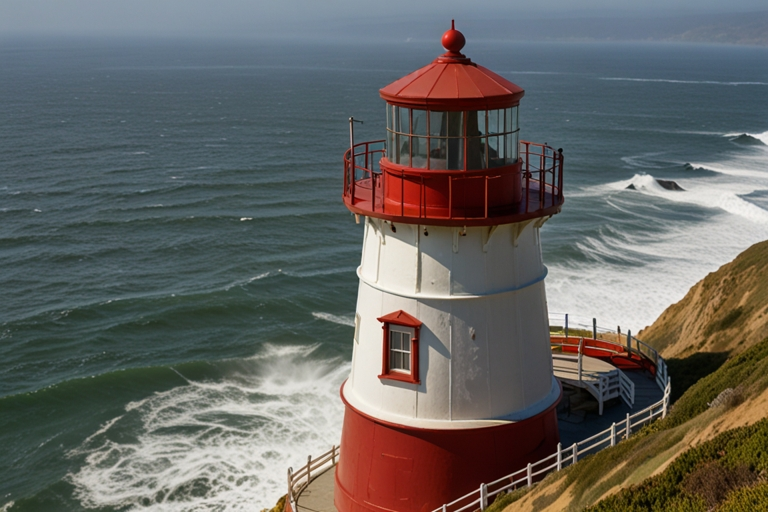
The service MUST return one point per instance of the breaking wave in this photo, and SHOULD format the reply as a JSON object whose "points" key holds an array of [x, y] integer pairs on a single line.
{"points": [[215, 445]]}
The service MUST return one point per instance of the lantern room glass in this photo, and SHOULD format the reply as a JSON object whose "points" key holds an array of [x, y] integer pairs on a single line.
{"points": [[442, 140]]}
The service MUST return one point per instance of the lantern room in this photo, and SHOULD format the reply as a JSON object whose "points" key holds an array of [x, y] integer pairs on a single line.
{"points": [[452, 154]]}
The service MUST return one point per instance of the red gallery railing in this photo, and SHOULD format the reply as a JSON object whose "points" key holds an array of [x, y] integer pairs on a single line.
{"points": [[530, 188]]}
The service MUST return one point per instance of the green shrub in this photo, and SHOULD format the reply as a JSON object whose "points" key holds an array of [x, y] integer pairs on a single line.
{"points": [[733, 459], [748, 499]]}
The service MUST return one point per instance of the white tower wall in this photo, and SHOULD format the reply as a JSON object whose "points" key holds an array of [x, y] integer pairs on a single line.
{"points": [[484, 353]]}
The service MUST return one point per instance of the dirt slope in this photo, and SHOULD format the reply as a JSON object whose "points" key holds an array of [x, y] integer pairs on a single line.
{"points": [[724, 312]]}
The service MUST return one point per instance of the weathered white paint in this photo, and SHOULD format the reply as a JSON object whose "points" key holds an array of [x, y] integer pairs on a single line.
{"points": [[484, 344]]}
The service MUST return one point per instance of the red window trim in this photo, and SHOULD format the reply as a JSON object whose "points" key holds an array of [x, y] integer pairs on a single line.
{"points": [[405, 320]]}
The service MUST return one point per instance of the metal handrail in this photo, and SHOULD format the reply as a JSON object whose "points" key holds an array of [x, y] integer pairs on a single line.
{"points": [[541, 173]]}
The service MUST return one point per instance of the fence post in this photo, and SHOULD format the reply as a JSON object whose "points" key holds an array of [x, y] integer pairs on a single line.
{"points": [[483, 496], [530, 475], [664, 406], [559, 456], [629, 427], [566, 327], [613, 434], [575, 453], [290, 486], [333, 455], [618, 335], [309, 463], [629, 341], [594, 328], [445, 508], [581, 350]]}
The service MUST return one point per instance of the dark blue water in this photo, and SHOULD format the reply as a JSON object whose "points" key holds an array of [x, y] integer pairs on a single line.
{"points": [[177, 269]]}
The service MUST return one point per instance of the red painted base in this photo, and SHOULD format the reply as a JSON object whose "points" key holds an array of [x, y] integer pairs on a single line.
{"points": [[388, 467]]}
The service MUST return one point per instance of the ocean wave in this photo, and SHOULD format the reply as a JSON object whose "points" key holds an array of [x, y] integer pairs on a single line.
{"points": [[341, 320], [708, 197], [215, 445], [749, 138], [670, 81]]}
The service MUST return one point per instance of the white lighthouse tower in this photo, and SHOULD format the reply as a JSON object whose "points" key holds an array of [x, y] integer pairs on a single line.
{"points": [[451, 382]]}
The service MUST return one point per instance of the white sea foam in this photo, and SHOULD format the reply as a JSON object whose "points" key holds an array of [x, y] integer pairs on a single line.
{"points": [[629, 277], [341, 320], [222, 445]]}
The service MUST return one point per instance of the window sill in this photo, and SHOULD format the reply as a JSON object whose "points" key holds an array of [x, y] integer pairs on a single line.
{"points": [[401, 377]]}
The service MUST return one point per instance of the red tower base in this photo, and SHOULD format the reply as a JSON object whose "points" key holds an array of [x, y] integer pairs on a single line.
{"points": [[384, 467]]}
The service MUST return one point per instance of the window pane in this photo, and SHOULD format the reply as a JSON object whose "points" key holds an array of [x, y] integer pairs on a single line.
{"points": [[406, 362], [513, 144], [419, 152], [404, 145], [437, 154], [404, 125], [455, 124], [511, 122], [494, 159], [394, 340], [396, 361], [494, 126], [419, 122], [438, 124], [481, 130], [391, 146], [455, 154], [389, 116]]}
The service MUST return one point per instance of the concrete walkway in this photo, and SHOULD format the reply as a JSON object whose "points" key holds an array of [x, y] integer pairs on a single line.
{"points": [[318, 495]]}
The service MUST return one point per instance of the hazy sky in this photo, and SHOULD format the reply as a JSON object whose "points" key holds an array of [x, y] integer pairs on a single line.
{"points": [[252, 17]]}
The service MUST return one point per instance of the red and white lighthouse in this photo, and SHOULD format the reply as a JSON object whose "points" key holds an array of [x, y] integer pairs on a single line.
{"points": [[451, 382]]}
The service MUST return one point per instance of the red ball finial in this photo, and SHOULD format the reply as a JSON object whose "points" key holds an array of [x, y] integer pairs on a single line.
{"points": [[453, 40]]}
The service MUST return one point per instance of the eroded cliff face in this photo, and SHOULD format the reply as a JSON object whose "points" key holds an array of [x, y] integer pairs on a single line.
{"points": [[727, 311]]}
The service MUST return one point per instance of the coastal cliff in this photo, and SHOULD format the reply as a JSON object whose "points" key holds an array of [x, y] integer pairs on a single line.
{"points": [[711, 452]]}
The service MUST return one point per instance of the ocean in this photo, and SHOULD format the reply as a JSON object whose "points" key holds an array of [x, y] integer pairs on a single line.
{"points": [[178, 270]]}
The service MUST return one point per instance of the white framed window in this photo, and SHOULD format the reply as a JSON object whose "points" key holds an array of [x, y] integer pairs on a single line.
{"points": [[400, 348]]}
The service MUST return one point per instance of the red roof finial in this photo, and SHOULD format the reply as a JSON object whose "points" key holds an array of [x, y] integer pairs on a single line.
{"points": [[453, 40]]}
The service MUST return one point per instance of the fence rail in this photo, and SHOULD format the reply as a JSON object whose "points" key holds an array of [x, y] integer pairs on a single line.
{"points": [[563, 456], [303, 476]]}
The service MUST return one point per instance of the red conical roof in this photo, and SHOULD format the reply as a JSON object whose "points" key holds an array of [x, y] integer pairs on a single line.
{"points": [[453, 82]]}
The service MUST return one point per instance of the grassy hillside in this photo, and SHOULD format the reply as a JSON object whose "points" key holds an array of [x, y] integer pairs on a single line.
{"points": [[711, 452]]}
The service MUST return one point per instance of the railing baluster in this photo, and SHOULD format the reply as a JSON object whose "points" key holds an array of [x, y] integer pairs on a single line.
{"points": [[483, 496], [529, 475], [559, 456]]}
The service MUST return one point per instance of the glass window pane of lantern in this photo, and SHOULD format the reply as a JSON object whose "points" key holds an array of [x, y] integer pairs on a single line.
{"points": [[512, 147], [455, 124], [419, 146], [403, 119], [438, 124], [419, 122], [391, 146], [455, 154], [495, 154], [437, 154], [493, 121], [389, 116], [511, 122], [404, 143], [475, 152]]}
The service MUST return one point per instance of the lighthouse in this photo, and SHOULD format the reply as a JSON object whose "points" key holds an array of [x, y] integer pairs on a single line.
{"points": [[451, 383]]}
